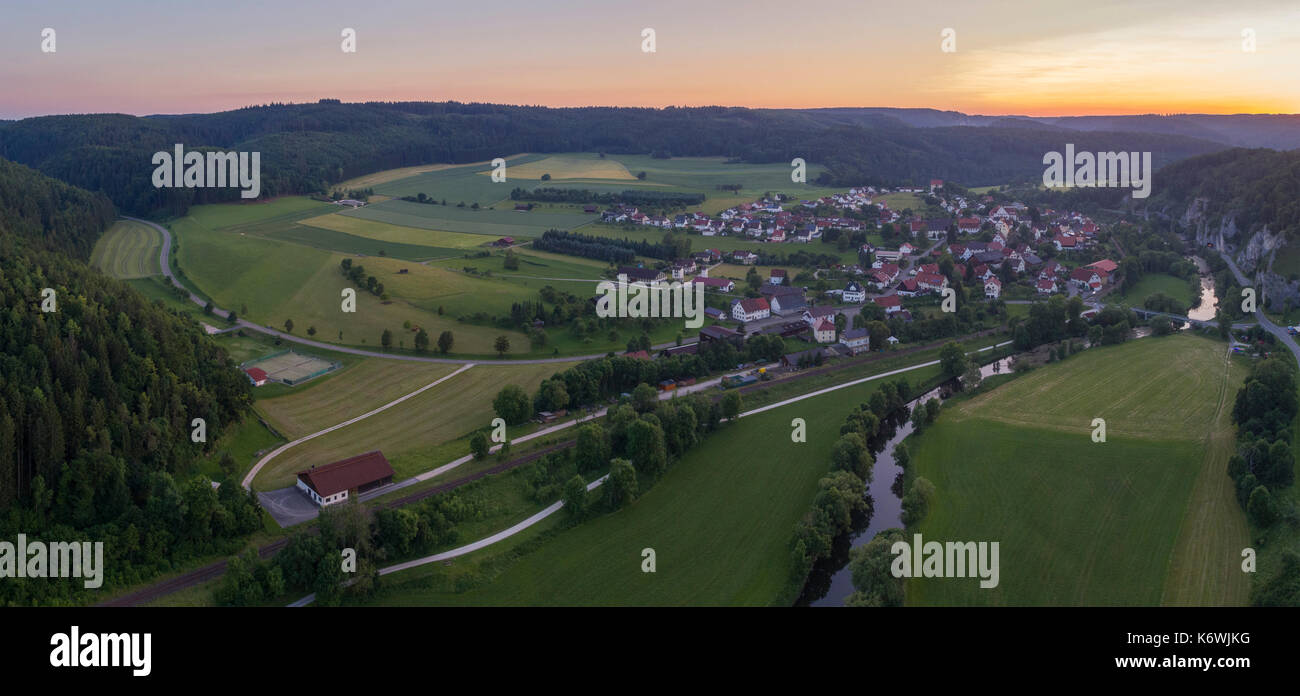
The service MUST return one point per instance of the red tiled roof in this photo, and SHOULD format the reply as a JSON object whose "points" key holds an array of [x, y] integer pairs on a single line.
{"points": [[257, 373], [347, 474], [888, 301]]}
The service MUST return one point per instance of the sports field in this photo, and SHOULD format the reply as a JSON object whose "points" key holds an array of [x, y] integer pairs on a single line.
{"points": [[291, 367], [445, 412], [720, 522], [128, 250], [1147, 517]]}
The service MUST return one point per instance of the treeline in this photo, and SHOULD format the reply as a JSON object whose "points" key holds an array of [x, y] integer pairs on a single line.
{"points": [[1059, 319], [99, 389], [656, 199], [637, 443], [608, 249], [595, 381], [841, 503], [307, 147], [1264, 465]]}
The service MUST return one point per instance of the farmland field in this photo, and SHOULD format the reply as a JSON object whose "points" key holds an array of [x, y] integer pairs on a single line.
{"points": [[443, 413], [277, 280], [355, 390], [449, 218], [570, 167], [1147, 517], [399, 234], [128, 250], [720, 522]]}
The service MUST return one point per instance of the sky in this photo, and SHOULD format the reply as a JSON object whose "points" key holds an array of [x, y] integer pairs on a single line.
{"points": [[1032, 57]]}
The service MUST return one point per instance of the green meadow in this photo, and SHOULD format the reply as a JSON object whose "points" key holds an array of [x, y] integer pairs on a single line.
{"points": [[1147, 517], [1152, 283], [439, 415], [720, 522], [128, 250]]}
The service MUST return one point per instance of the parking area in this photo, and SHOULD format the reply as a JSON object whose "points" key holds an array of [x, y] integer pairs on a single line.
{"points": [[289, 506]]}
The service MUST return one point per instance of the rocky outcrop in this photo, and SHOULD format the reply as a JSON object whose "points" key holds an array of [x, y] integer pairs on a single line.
{"points": [[1253, 253]]}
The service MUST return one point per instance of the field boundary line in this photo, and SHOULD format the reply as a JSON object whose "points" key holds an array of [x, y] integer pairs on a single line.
{"points": [[248, 479]]}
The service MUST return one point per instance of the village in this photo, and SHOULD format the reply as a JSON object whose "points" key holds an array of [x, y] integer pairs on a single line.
{"points": [[1001, 253]]}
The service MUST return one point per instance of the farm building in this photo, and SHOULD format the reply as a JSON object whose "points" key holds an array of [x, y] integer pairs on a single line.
{"points": [[334, 483]]}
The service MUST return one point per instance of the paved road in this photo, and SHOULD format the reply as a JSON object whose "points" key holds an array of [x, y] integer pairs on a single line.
{"points": [[1260, 315], [243, 323], [555, 507]]}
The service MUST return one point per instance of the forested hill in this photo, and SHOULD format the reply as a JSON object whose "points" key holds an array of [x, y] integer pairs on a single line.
{"points": [[50, 214], [1257, 187], [96, 401], [306, 147]]}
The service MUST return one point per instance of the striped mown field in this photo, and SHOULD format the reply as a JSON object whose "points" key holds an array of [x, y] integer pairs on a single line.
{"points": [[128, 250]]}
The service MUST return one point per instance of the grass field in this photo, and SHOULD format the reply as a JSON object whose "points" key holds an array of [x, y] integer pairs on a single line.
{"points": [[400, 234], [277, 280], [1153, 283], [569, 167], [449, 218], [720, 522], [1147, 517], [128, 250], [353, 391], [443, 413]]}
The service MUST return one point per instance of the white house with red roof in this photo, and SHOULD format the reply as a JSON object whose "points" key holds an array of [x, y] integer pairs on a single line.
{"points": [[891, 303], [777, 276], [931, 282], [1046, 286], [824, 331], [751, 309], [992, 288]]}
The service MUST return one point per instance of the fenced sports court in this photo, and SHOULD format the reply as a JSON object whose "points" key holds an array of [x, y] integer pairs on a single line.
{"points": [[291, 367]]}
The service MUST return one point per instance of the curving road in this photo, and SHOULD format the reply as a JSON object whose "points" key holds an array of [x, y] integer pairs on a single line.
{"points": [[1260, 315], [557, 506], [243, 323]]}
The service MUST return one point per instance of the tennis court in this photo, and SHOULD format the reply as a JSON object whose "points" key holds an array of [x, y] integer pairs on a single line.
{"points": [[291, 367]]}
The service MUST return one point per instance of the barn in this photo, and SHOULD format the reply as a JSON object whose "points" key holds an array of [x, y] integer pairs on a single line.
{"points": [[328, 484]]}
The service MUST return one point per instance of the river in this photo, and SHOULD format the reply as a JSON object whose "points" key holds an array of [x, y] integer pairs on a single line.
{"points": [[830, 583], [1209, 305]]}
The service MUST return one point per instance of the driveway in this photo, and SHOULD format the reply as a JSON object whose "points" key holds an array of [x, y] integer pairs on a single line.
{"points": [[289, 506]]}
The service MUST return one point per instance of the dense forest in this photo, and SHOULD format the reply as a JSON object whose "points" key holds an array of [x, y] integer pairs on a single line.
{"points": [[97, 398], [307, 147], [1257, 187]]}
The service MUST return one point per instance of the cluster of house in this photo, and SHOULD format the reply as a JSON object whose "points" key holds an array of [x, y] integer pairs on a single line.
{"points": [[768, 219]]}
